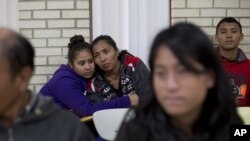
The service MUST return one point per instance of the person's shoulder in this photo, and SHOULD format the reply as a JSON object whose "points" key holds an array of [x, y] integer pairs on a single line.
{"points": [[67, 116], [129, 59], [49, 109], [246, 63], [248, 60], [72, 123], [65, 73], [64, 70]]}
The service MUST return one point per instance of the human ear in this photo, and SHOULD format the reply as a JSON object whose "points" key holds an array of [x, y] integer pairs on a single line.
{"points": [[23, 78], [241, 36]]}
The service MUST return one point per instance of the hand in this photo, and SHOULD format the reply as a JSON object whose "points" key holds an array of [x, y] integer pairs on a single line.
{"points": [[134, 99]]}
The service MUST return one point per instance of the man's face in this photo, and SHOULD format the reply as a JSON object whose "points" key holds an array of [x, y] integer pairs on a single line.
{"points": [[9, 88], [229, 36]]}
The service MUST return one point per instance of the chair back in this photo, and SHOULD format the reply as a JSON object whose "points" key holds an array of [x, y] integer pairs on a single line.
{"points": [[244, 113], [107, 122]]}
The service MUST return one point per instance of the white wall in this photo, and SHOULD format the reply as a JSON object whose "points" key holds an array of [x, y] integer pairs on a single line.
{"points": [[48, 25], [9, 14], [132, 23]]}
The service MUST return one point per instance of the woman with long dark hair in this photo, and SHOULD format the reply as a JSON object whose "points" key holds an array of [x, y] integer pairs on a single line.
{"points": [[191, 99]]}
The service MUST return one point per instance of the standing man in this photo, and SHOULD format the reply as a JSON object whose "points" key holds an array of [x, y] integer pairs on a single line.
{"points": [[25, 116], [229, 34]]}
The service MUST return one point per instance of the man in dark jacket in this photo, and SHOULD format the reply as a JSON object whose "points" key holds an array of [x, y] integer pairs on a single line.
{"points": [[25, 116]]}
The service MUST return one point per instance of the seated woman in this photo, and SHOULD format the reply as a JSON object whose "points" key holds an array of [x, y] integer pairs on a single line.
{"points": [[119, 73], [191, 98], [68, 85]]}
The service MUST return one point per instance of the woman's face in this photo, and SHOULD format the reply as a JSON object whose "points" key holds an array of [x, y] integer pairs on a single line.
{"points": [[106, 56], [180, 92], [83, 64]]}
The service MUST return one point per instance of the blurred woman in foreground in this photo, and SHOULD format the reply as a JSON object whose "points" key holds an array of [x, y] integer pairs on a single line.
{"points": [[191, 98]]}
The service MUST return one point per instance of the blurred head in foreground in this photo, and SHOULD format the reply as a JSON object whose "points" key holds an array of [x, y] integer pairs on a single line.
{"points": [[191, 98]]}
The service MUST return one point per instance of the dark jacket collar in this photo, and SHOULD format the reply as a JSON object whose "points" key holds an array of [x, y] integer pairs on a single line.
{"points": [[241, 56]]}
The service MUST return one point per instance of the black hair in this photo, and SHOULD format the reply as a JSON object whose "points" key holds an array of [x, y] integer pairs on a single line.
{"points": [[109, 40], [151, 122], [18, 51], [228, 20], [76, 44]]}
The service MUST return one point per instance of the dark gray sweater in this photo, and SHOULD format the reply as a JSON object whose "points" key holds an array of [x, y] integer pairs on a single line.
{"points": [[45, 121]]}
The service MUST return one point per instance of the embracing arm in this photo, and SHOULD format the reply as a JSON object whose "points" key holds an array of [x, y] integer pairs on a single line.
{"points": [[70, 92]]}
